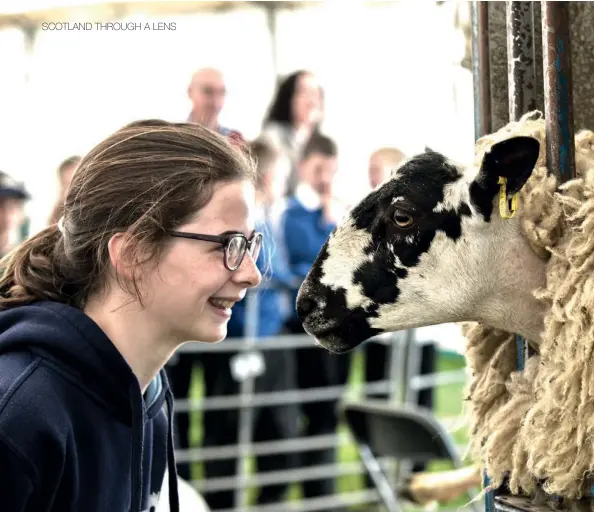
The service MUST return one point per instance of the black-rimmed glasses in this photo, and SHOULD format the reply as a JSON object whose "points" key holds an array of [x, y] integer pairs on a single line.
{"points": [[235, 245]]}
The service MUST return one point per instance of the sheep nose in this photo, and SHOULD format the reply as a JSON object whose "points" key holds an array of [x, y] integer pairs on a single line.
{"points": [[305, 306]]}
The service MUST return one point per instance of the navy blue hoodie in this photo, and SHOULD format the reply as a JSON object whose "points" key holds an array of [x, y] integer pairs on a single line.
{"points": [[76, 433]]}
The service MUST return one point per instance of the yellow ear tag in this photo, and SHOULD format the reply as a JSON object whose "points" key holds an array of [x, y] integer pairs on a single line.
{"points": [[507, 211]]}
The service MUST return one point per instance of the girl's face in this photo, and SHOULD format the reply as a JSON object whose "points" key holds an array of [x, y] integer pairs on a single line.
{"points": [[190, 293]]}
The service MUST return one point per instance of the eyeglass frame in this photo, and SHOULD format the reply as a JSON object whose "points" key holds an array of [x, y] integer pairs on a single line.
{"points": [[224, 240]]}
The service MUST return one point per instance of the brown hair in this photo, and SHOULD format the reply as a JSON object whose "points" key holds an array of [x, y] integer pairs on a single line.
{"points": [[319, 144], [264, 155], [145, 179]]}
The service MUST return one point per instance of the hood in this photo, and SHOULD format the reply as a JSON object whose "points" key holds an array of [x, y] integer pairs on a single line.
{"points": [[72, 341], [68, 338]]}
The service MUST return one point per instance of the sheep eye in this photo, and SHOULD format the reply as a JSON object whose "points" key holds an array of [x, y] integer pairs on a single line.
{"points": [[402, 219]]}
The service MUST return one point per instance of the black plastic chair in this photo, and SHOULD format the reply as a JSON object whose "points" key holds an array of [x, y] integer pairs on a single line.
{"points": [[409, 433]]}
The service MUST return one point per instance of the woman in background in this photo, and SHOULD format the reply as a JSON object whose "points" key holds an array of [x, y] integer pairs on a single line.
{"points": [[294, 116]]}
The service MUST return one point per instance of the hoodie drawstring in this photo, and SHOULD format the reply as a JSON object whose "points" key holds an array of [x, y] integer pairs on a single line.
{"points": [[137, 455], [171, 468]]}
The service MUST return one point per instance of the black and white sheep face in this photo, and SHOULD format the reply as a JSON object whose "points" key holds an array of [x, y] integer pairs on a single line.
{"points": [[415, 251]]}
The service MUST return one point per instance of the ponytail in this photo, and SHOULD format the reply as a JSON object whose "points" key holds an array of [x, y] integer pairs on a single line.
{"points": [[34, 271]]}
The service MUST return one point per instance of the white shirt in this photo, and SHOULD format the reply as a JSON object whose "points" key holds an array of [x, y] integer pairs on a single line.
{"points": [[308, 197]]}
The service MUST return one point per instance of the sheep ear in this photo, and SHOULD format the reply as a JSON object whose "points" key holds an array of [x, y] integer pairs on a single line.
{"points": [[513, 159]]}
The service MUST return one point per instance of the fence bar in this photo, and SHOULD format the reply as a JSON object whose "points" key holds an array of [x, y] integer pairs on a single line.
{"points": [[322, 503], [264, 448], [313, 394], [481, 68], [284, 476], [558, 89], [521, 58], [273, 398], [280, 342], [288, 445], [442, 378]]}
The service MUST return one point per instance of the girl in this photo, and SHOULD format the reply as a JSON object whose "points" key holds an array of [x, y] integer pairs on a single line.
{"points": [[155, 245]]}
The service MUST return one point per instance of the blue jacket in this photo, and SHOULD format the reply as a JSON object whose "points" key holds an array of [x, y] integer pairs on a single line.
{"points": [[304, 234], [76, 433], [276, 281]]}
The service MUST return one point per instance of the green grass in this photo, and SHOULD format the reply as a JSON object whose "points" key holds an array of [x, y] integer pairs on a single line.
{"points": [[448, 403]]}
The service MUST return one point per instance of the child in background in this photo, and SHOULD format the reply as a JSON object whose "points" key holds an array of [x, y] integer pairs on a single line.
{"points": [[381, 164]]}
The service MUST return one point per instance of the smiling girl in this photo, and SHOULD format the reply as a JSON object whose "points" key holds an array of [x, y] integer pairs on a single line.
{"points": [[155, 245]]}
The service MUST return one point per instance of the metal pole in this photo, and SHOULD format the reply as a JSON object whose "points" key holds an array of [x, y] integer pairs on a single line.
{"points": [[271, 9], [412, 366], [382, 483], [558, 90], [521, 58], [405, 348], [481, 74], [246, 414], [521, 65], [481, 68], [395, 365], [558, 106]]}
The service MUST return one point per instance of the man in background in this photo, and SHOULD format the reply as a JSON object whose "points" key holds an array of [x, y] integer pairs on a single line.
{"points": [[310, 216], [207, 92]]}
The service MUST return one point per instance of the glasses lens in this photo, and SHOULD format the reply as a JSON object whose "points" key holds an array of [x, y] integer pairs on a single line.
{"points": [[256, 246], [235, 251]]}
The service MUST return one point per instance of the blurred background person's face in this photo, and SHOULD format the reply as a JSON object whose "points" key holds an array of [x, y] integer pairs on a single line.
{"points": [[307, 101], [381, 165], [207, 93], [65, 179], [13, 197], [11, 217], [318, 171]]}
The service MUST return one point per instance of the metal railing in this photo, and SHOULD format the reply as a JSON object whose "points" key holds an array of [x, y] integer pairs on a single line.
{"points": [[401, 385]]}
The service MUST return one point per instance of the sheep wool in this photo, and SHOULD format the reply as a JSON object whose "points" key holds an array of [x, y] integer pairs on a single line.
{"points": [[536, 426]]}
